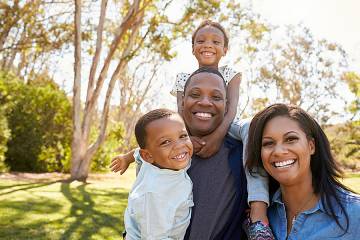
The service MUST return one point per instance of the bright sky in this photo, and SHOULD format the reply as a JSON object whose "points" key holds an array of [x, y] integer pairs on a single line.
{"points": [[335, 20]]}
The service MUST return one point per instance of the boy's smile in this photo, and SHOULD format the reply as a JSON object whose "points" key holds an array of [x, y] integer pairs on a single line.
{"points": [[209, 47], [168, 144]]}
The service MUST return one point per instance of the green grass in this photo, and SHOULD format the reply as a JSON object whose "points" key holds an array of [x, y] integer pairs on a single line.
{"points": [[57, 210]]}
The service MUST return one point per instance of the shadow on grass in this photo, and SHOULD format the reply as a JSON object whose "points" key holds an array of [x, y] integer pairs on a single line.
{"points": [[88, 220], [23, 187]]}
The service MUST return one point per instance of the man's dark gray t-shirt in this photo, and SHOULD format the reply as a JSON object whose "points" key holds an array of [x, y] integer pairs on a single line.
{"points": [[214, 195]]}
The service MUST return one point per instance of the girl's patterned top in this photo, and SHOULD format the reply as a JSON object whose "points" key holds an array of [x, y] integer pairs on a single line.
{"points": [[181, 78]]}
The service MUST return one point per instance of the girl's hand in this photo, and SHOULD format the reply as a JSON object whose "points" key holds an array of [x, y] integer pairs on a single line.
{"points": [[120, 163], [197, 144], [211, 146]]}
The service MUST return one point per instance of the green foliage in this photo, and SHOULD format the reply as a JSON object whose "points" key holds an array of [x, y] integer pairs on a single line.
{"points": [[115, 142], [39, 116], [4, 136]]}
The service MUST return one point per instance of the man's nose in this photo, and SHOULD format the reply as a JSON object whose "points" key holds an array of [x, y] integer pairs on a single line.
{"points": [[205, 101]]}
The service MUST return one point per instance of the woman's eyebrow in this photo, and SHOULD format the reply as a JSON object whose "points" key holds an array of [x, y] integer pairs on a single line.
{"points": [[290, 132]]}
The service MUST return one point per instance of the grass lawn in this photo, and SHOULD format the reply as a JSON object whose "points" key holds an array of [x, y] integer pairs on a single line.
{"points": [[50, 209]]}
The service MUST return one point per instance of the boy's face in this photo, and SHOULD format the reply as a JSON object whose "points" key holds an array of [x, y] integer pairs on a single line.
{"points": [[209, 46], [167, 143]]}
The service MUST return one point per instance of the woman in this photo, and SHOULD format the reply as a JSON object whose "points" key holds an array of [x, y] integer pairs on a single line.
{"points": [[308, 201]]}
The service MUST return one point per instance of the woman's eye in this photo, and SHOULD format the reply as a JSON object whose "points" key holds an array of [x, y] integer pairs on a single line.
{"points": [[267, 143], [291, 139]]}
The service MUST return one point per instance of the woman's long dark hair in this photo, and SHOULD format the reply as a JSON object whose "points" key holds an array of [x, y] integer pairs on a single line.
{"points": [[324, 168]]}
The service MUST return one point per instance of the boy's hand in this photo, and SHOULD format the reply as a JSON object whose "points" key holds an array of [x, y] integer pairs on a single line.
{"points": [[120, 163], [211, 146], [197, 143]]}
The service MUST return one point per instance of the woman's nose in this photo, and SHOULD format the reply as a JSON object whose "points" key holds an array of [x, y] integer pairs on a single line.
{"points": [[280, 149]]}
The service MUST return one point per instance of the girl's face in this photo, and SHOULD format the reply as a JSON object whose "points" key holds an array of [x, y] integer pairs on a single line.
{"points": [[286, 151], [209, 46]]}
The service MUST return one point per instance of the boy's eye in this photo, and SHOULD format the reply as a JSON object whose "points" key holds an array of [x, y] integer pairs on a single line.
{"points": [[185, 135], [164, 142]]}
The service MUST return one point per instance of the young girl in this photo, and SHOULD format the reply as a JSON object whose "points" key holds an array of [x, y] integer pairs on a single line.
{"points": [[209, 45]]}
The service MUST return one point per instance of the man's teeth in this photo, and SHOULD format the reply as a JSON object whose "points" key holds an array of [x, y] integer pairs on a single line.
{"points": [[284, 163], [203, 115]]}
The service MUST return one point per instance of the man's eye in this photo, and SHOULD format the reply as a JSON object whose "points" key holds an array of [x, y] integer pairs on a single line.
{"points": [[194, 95]]}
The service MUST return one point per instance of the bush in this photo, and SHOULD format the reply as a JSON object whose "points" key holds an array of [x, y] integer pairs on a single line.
{"points": [[114, 143], [39, 116]]}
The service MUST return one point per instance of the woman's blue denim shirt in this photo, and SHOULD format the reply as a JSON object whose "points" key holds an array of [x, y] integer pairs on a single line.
{"points": [[315, 223]]}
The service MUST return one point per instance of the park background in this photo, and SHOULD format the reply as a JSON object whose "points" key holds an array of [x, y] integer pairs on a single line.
{"points": [[75, 76]]}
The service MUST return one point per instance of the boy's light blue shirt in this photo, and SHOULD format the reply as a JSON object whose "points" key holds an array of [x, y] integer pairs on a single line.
{"points": [[257, 184], [315, 224], [159, 203]]}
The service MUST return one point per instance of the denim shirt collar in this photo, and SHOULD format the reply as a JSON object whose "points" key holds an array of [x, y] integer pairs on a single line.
{"points": [[277, 199]]}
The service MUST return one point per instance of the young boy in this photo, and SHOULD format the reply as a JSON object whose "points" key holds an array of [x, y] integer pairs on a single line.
{"points": [[160, 201]]}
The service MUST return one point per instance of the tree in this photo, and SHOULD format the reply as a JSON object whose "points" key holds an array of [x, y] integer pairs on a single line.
{"points": [[300, 70], [31, 32], [144, 25]]}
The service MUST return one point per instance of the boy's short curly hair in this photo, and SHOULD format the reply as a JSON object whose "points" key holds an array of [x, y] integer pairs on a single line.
{"points": [[212, 24], [146, 119]]}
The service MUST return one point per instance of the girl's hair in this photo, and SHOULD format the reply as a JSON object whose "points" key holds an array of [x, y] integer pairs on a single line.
{"points": [[325, 171], [212, 24]]}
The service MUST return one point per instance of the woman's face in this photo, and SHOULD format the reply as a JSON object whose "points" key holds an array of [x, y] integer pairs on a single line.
{"points": [[204, 103], [286, 151]]}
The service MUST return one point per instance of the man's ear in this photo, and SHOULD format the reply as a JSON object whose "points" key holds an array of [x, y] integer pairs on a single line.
{"points": [[146, 155]]}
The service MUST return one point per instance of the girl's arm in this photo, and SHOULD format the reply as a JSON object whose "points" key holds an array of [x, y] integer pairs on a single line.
{"points": [[214, 140], [257, 183]]}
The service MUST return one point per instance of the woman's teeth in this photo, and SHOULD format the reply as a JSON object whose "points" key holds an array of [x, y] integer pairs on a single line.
{"points": [[283, 163]]}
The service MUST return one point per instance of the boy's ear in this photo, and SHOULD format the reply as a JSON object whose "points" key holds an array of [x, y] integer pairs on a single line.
{"points": [[146, 155]]}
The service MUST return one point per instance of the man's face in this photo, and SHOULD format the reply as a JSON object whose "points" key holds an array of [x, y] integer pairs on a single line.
{"points": [[204, 103], [168, 144]]}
